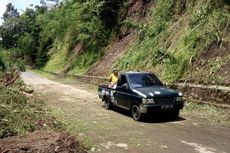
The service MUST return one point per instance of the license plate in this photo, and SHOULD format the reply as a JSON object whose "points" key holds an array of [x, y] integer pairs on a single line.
{"points": [[166, 106]]}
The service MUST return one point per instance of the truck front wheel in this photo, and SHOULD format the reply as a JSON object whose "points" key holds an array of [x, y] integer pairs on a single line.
{"points": [[175, 114], [136, 113]]}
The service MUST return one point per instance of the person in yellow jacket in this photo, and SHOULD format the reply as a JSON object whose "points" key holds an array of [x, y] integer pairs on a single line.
{"points": [[113, 78]]}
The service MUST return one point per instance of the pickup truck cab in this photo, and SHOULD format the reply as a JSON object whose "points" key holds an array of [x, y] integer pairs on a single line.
{"points": [[141, 93]]}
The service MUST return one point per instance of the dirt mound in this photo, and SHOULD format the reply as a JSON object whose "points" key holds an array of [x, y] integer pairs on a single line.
{"points": [[42, 142], [137, 9]]}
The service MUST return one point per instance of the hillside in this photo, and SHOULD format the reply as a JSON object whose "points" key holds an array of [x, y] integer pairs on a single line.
{"points": [[135, 10], [179, 40], [183, 41]]}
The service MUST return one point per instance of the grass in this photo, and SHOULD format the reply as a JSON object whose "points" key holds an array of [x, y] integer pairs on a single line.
{"points": [[171, 42], [176, 34], [84, 61], [10, 58], [59, 57], [213, 114], [63, 56], [20, 114], [211, 68], [74, 127]]}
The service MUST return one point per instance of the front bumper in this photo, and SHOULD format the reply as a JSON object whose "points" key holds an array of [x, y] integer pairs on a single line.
{"points": [[160, 107]]}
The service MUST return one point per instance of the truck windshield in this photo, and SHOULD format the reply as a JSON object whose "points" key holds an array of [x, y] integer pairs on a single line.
{"points": [[143, 80]]}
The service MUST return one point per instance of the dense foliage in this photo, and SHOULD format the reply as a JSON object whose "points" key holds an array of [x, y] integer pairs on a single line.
{"points": [[72, 35], [176, 34], [43, 32]]}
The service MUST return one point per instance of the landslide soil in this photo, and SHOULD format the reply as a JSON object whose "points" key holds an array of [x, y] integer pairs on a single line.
{"points": [[212, 67], [137, 10], [42, 142]]}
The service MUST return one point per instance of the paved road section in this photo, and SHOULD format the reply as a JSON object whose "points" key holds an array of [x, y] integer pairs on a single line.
{"points": [[114, 131]]}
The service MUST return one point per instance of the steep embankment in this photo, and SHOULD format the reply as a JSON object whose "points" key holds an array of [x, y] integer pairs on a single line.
{"points": [[135, 10], [183, 41], [179, 40], [87, 29]]}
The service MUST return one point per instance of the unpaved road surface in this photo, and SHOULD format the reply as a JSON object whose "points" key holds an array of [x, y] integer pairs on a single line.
{"points": [[112, 131]]}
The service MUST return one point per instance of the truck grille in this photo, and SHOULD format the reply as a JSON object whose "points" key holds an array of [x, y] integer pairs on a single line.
{"points": [[164, 100]]}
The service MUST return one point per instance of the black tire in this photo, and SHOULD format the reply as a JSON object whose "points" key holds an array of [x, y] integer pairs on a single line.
{"points": [[175, 114], [107, 104], [136, 113]]}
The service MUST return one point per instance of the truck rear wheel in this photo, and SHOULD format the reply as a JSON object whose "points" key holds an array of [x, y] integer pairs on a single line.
{"points": [[136, 113], [107, 104]]}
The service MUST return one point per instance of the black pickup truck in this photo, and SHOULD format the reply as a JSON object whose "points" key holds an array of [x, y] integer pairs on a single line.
{"points": [[142, 93]]}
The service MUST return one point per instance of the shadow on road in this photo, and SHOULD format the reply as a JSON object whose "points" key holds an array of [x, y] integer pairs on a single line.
{"points": [[158, 117], [161, 118]]}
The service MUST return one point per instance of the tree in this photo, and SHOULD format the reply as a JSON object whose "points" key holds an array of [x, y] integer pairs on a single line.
{"points": [[10, 29], [10, 12], [33, 33], [110, 13], [21, 32], [9, 32]]}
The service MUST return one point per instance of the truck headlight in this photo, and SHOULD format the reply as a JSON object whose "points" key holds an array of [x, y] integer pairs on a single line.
{"points": [[148, 101], [179, 99]]}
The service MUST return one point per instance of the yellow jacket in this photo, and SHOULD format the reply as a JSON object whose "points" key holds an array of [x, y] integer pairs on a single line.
{"points": [[113, 78]]}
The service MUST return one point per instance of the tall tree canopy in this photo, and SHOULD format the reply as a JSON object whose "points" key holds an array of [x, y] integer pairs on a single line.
{"points": [[37, 30], [10, 12]]}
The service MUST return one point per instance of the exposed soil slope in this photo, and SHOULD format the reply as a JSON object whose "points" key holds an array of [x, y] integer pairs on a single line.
{"points": [[214, 63], [137, 10], [183, 41], [102, 67]]}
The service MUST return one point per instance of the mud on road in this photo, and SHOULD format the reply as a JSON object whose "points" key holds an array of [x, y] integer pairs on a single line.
{"points": [[115, 131]]}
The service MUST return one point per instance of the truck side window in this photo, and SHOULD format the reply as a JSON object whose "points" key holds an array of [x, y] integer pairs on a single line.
{"points": [[122, 80]]}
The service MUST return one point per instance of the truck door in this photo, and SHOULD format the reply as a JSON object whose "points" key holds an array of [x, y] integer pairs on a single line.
{"points": [[122, 94]]}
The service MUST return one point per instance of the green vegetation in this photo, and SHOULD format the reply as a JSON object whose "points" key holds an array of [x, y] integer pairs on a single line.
{"points": [[176, 34], [8, 60], [208, 112], [21, 114], [74, 127], [2, 65], [72, 35], [20, 111], [69, 35]]}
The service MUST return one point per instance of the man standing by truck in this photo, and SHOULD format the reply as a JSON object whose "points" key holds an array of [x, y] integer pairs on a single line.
{"points": [[113, 78]]}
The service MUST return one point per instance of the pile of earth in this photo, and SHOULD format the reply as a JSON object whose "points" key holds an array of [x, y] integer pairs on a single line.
{"points": [[42, 142]]}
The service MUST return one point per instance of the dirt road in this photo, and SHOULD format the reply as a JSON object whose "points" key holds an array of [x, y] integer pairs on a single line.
{"points": [[116, 132]]}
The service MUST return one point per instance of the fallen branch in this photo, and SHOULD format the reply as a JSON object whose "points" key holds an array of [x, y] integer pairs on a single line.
{"points": [[11, 79]]}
